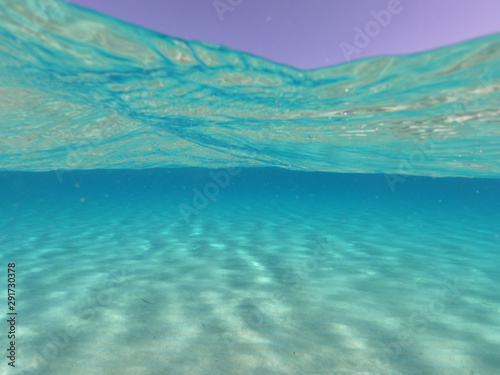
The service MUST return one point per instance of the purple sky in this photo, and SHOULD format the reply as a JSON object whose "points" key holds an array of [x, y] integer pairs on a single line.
{"points": [[313, 33]]}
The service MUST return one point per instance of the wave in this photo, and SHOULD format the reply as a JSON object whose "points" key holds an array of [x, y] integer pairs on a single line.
{"points": [[82, 90]]}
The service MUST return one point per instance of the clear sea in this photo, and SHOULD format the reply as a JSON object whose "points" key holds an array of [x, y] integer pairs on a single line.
{"points": [[176, 207]]}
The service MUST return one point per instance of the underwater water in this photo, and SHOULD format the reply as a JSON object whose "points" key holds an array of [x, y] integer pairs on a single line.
{"points": [[175, 207]]}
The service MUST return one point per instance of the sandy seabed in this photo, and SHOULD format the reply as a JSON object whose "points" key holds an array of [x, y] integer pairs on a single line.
{"points": [[281, 284]]}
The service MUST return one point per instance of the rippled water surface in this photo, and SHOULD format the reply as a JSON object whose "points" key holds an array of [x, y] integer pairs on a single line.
{"points": [[84, 91]]}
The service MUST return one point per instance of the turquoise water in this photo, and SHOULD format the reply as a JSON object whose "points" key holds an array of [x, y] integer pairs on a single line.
{"points": [[175, 207]]}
